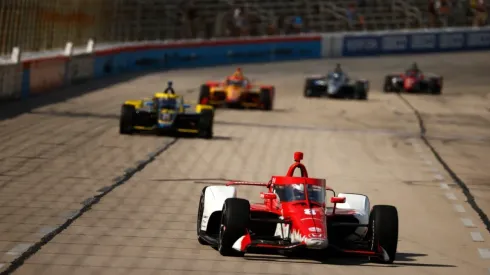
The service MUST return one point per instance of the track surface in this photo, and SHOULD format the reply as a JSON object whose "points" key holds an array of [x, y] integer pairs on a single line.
{"points": [[57, 156]]}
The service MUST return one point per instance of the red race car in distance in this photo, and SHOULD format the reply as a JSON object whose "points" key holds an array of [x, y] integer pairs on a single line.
{"points": [[413, 82], [294, 215]]}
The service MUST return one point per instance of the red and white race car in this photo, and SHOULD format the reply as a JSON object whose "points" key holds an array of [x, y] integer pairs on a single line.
{"points": [[413, 83], [294, 215]]}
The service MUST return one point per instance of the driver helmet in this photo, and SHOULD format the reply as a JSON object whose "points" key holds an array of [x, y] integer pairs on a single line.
{"points": [[338, 69], [298, 191], [415, 67], [169, 84], [238, 74]]}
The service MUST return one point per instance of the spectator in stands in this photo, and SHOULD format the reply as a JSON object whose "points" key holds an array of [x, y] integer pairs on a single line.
{"points": [[353, 17], [297, 24], [480, 14], [272, 29], [433, 15], [443, 9], [189, 19]]}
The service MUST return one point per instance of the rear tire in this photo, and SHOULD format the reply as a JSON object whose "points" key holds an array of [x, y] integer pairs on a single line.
{"points": [[383, 230], [234, 223], [126, 120], [266, 98], [204, 95], [205, 127]]}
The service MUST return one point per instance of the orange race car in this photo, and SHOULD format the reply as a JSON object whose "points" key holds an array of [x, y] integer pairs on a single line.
{"points": [[237, 91]]}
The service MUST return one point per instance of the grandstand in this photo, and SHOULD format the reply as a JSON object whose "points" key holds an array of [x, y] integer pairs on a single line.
{"points": [[37, 25]]}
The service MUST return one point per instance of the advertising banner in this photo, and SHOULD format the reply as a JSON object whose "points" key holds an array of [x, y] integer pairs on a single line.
{"points": [[80, 68], [46, 74], [415, 42]]}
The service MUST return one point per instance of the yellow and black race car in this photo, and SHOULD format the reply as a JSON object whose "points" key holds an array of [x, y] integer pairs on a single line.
{"points": [[166, 113]]}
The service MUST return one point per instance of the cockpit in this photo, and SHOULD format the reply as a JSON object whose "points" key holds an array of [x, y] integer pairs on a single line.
{"points": [[237, 82], [165, 103], [296, 192]]}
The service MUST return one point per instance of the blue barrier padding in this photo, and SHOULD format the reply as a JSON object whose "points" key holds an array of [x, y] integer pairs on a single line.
{"points": [[204, 56], [416, 42]]}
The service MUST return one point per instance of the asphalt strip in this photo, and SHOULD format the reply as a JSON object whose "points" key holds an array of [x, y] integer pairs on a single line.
{"points": [[466, 191], [87, 205]]}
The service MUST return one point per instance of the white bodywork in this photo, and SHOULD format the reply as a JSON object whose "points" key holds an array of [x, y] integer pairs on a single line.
{"points": [[214, 198], [362, 208]]}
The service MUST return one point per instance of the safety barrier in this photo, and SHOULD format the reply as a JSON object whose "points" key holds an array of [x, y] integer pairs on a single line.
{"points": [[40, 75], [413, 42], [10, 81]]}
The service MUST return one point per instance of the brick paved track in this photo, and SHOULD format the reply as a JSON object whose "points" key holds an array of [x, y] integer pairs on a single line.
{"points": [[57, 156]]}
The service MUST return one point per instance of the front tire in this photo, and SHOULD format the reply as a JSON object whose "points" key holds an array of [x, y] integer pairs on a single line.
{"points": [[435, 86], [383, 230], [266, 98], [388, 85], [308, 89], [205, 128], [235, 219], [204, 95], [199, 217], [126, 121], [360, 91]]}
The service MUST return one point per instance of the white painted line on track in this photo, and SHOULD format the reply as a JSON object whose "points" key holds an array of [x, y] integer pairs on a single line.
{"points": [[444, 186], [484, 253], [46, 230], [459, 208], [476, 237], [19, 249], [451, 196], [439, 177], [468, 222]]}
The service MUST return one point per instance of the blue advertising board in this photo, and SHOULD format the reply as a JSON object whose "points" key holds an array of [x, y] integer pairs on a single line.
{"points": [[419, 42]]}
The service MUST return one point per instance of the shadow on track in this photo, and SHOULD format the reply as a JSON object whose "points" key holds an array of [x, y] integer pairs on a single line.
{"points": [[10, 109], [402, 259]]}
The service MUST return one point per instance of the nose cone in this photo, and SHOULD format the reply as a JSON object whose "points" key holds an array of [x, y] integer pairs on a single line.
{"points": [[166, 117], [233, 93], [309, 227]]}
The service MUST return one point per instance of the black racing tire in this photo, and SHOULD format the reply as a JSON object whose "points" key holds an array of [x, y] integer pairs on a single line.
{"points": [[308, 90], [199, 217], [388, 85], [235, 220], [435, 86], [126, 120], [204, 94], [205, 124], [266, 98], [383, 231], [360, 91]]}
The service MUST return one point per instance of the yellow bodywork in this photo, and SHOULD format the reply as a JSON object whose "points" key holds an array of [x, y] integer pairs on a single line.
{"points": [[138, 104]]}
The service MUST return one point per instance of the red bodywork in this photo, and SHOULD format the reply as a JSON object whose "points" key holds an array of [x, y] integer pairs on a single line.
{"points": [[410, 80], [307, 219]]}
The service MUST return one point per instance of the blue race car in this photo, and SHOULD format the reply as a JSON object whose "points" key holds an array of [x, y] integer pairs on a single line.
{"points": [[336, 84]]}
